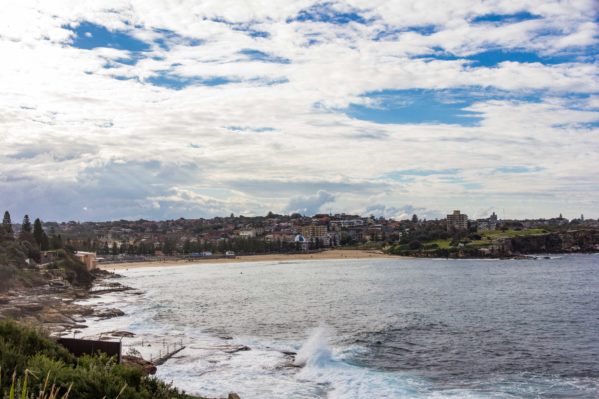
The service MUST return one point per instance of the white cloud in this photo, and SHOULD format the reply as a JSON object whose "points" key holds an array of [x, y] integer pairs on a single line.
{"points": [[64, 114], [309, 205]]}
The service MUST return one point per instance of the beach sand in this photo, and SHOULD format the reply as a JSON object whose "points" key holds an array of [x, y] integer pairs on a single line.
{"points": [[330, 254]]}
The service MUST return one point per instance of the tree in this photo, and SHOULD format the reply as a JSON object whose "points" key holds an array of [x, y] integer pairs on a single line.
{"points": [[38, 231], [415, 244], [7, 224], [169, 246], [56, 241], [26, 226], [414, 218], [45, 242], [187, 247]]}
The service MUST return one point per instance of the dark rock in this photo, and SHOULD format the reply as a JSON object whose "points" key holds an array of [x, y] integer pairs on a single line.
{"points": [[237, 348], [145, 366], [11, 312], [233, 395], [109, 313], [31, 307], [126, 334]]}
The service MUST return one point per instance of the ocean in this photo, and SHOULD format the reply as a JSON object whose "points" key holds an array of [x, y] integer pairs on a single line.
{"points": [[368, 328]]}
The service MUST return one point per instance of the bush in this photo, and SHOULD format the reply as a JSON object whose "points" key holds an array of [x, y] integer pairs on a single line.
{"points": [[27, 351], [18, 344], [415, 244]]}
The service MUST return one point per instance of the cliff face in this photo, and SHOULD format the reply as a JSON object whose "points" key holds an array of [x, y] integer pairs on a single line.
{"points": [[569, 241]]}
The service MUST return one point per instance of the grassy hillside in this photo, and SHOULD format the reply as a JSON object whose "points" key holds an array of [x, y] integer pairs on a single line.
{"points": [[15, 272], [465, 244]]}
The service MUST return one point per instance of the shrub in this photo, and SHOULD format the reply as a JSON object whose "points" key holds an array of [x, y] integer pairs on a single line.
{"points": [[415, 244], [30, 354]]}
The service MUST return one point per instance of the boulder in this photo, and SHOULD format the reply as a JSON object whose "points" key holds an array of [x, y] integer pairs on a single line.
{"points": [[109, 313], [145, 366]]}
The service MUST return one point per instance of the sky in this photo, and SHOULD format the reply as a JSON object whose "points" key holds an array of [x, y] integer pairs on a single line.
{"points": [[127, 109]]}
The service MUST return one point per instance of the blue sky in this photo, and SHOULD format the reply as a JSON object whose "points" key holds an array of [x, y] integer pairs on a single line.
{"points": [[154, 110]]}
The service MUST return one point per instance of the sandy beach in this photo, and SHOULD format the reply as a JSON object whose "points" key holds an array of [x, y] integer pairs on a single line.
{"points": [[332, 254]]}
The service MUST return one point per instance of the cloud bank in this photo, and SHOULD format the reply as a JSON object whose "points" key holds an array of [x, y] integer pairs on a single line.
{"points": [[128, 109]]}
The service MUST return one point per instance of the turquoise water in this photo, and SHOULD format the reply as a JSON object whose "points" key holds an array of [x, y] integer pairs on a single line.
{"points": [[389, 328]]}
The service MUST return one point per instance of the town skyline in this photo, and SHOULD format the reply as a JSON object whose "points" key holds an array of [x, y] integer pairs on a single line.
{"points": [[440, 216], [456, 234], [147, 109]]}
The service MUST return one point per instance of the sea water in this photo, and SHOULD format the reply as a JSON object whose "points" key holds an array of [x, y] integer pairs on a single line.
{"points": [[369, 328]]}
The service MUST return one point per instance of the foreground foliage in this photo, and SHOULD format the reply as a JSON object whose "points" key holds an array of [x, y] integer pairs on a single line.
{"points": [[32, 365]]}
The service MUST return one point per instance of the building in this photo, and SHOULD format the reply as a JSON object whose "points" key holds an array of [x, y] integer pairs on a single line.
{"points": [[345, 223], [301, 243], [249, 233], [457, 221], [487, 224], [88, 259], [313, 231]]}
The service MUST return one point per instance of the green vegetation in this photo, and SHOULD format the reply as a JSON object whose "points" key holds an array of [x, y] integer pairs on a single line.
{"points": [[367, 246], [457, 244], [16, 272], [18, 256], [39, 362], [513, 233]]}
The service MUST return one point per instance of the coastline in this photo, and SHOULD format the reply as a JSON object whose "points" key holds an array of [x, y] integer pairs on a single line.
{"points": [[324, 255], [56, 305]]}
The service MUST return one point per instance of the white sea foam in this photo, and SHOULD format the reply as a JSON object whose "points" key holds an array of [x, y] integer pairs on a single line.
{"points": [[315, 351], [199, 306]]}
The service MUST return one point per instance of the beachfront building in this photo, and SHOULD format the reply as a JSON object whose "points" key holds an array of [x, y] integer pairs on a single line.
{"points": [[301, 243], [88, 259], [316, 234], [457, 221], [313, 231]]}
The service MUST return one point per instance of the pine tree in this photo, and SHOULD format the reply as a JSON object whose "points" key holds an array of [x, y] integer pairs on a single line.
{"points": [[6, 226], [38, 231], [26, 226]]}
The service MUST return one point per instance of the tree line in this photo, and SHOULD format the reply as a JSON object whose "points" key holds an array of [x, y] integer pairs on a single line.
{"points": [[31, 233]]}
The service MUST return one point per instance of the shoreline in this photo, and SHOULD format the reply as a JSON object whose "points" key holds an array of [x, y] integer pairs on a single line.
{"points": [[334, 254]]}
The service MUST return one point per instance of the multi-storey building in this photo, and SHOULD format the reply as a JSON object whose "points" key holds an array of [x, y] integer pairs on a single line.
{"points": [[457, 221], [313, 231]]}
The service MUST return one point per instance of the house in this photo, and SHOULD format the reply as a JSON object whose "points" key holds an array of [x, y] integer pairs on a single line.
{"points": [[249, 233]]}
